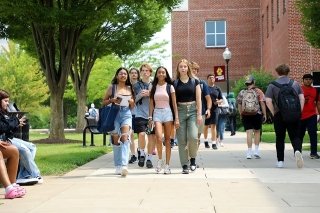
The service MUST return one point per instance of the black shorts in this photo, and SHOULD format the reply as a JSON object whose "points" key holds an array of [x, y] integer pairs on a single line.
{"points": [[140, 125], [252, 121], [213, 118]]}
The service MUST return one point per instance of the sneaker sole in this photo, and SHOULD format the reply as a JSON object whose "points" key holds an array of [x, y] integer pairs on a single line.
{"points": [[299, 159], [124, 172]]}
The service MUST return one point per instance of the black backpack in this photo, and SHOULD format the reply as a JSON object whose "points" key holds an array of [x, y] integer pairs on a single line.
{"points": [[288, 102]]}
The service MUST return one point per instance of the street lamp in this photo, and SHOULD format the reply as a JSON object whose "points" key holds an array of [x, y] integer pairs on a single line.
{"points": [[227, 56]]}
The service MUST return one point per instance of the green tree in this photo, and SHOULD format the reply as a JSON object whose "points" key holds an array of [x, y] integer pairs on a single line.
{"points": [[310, 20], [22, 78], [151, 53], [52, 29], [122, 32]]}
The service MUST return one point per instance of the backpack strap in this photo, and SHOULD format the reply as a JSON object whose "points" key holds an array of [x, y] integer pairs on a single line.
{"points": [[175, 83], [276, 84]]}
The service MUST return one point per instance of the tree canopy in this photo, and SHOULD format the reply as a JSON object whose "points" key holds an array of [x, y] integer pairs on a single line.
{"points": [[310, 20], [52, 29]]}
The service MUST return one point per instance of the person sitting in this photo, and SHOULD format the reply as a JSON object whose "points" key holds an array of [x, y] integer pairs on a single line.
{"points": [[29, 173], [8, 173]]}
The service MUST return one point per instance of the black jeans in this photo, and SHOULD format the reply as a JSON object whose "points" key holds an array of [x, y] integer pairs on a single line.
{"points": [[280, 129], [310, 124]]}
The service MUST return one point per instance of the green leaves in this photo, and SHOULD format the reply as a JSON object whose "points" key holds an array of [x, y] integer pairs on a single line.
{"points": [[310, 20]]}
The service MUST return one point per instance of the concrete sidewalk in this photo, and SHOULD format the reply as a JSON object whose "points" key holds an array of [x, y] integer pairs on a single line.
{"points": [[225, 182]]}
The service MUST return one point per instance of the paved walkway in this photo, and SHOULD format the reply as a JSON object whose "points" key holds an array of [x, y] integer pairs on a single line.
{"points": [[225, 182]]}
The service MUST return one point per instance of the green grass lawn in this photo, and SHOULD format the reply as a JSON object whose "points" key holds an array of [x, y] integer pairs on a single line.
{"points": [[58, 159]]}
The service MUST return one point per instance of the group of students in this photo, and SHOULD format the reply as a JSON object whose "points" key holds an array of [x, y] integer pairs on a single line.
{"points": [[294, 109], [20, 167], [159, 107]]}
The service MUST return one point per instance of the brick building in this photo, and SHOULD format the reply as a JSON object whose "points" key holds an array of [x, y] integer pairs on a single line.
{"points": [[261, 33]]}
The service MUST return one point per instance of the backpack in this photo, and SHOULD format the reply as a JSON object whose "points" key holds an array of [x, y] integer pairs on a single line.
{"points": [[232, 107], [288, 102], [250, 102]]}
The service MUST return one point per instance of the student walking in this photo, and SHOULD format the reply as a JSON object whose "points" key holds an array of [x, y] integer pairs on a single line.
{"points": [[309, 114], [142, 98], [285, 100], [163, 114], [134, 78], [212, 121], [121, 140], [222, 117], [205, 99], [252, 111], [188, 95]]}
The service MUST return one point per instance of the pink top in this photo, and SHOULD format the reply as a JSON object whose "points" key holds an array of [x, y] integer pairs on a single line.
{"points": [[161, 97]]}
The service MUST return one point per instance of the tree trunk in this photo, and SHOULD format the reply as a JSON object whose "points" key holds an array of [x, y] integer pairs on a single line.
{"points": [[81, 108], [57, 122], [80, 72]]}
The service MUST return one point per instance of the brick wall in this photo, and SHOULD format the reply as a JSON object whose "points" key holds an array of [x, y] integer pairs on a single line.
{"points": [[243, 35], [246, 37]]}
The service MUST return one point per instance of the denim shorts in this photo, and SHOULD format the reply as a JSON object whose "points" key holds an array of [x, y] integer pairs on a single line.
{"points": [[162, 115], [123, 118]]}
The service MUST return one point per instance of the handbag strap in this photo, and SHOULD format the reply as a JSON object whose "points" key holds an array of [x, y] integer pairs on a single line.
{"points": [[113, 90]]}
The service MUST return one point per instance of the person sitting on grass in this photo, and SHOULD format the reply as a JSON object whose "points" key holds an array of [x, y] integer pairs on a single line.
{"points": [[8, 173], [29, 173]]}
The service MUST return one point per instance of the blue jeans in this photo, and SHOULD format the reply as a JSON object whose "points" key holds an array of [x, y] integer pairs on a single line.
{"points": [[27, 153], [187, 133], [221, 126], [121, 152]]}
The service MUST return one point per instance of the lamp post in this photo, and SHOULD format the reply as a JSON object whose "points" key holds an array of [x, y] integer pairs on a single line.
{"points": [[227, 56]]}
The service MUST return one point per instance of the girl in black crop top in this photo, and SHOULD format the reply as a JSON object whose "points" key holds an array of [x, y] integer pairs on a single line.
{"points": [[188, 94]]}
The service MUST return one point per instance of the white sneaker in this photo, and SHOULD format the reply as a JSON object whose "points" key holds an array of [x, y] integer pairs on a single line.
{"points": [[27, 181], [249, 155], [124, 171], [118, 170], [256, 156], [159, 166], [221, 144], [40, 180], [280, 164], [167, 169], [299, 159]]}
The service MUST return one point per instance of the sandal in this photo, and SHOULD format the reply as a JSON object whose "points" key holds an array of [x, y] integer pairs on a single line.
{"points": [[15, 192]]}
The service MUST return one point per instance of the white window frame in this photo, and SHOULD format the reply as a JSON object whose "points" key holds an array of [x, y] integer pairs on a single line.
{"points": [[215, 33]]}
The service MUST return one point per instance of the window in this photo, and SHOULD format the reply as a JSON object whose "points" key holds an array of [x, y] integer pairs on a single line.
{"points": [[284, 6], [215, 32]]}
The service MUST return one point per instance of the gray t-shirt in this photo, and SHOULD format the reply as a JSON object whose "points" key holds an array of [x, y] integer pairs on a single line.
{"points": [[142, 103], [273, 91]]}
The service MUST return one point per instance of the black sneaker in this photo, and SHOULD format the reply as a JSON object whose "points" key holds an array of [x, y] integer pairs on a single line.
{"points": [[141, 161], [206, 144], [185, 169], [138, 151], [132, 159], [193, 165], [149, 164], [315, 156], [214, 146]]}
